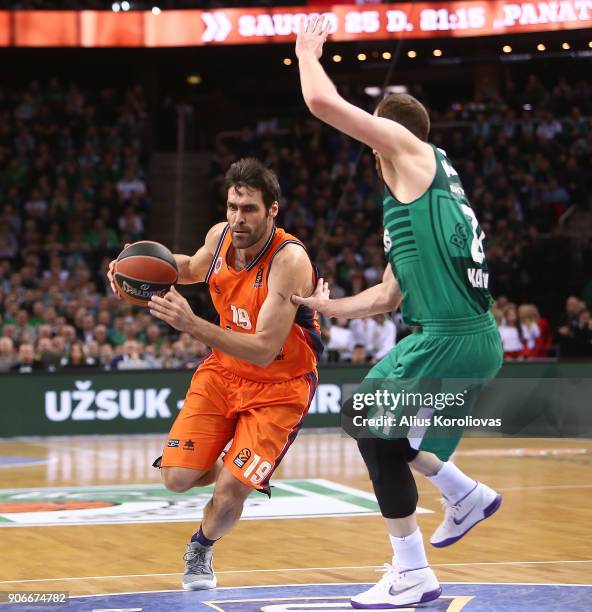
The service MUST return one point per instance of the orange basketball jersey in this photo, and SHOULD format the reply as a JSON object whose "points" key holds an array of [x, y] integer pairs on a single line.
{"points": [[238, 297]]}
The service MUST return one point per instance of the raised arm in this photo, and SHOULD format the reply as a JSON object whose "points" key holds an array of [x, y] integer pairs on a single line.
{"points": [[383, 135], [291, 273], [381, 298]]}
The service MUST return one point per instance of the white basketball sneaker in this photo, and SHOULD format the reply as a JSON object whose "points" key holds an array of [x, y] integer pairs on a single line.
{"points": [[461, 517], [400, 589]]}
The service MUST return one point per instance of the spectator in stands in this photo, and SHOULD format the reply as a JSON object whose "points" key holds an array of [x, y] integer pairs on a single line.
{"points": [[365, 332], [359, 355], [341, 341], [26, 362], [570, 321], [583, 334], [86, 328], [76, 357], [100, 333], [92, 351], [386, 334], [153, 336], [131, 358], [578, 342], [106, 357], [545, 342], [530, 331], [511, 334], [46, 355], [7, 354]]}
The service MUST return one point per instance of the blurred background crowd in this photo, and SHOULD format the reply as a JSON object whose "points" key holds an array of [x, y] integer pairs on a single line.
{"points": [[73, 191]]}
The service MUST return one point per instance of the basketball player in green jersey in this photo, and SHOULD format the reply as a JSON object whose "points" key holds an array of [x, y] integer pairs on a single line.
{"points": [[436, 266]]}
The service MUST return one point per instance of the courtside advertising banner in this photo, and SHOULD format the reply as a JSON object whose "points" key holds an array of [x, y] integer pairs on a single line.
{"points": [[527, 399], [188, 28]]}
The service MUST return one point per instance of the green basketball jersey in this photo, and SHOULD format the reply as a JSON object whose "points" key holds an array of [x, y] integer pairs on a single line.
{"points": [[435, 248]]}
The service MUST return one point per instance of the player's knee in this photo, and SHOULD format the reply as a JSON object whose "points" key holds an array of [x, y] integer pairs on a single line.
{"points": [[179, 480], [396, 498], [393, 482]]}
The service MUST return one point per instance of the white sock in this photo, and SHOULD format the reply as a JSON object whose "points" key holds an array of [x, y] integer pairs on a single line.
{"points": [[409, 551], [452, 483]]}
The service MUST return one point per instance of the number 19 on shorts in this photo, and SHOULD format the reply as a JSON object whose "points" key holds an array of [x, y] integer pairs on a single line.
{"points": [[259, 474]]}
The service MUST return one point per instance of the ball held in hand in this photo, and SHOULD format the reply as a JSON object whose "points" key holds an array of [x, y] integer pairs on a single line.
{"points": [[144, 269]]}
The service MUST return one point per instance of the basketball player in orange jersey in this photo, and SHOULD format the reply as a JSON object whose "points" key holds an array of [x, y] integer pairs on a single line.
{"points": [[258, 382]]}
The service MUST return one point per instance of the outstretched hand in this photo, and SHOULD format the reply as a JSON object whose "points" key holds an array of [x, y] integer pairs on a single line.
{"points": [[312, 34], [319, 300], [173, 309], [111, 274]]}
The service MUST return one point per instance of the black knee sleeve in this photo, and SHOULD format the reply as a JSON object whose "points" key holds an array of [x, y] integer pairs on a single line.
{"points": [[393, 482]]}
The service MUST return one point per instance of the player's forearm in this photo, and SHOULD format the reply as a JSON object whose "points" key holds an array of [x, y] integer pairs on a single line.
{"points": [[248, 347], [186, 277], [317, 88], [378, 299]]}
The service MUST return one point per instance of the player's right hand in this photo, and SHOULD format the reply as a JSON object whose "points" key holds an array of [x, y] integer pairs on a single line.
{"points": [[312, 34], [319, 300], [110, 275]]}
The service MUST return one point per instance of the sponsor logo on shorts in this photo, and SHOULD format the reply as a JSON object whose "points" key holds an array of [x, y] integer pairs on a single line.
{"points": [[218, 265], [243, 456], [173, 444], [189, 445]]}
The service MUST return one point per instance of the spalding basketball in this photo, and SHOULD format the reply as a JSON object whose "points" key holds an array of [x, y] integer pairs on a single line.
{"points": [[144, 269]]}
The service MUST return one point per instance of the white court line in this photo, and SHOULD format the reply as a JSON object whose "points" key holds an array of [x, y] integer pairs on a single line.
{"points": [[334, 485], [321, 584], [545, 487], [285, 486], [38, 461], [303, 569]]}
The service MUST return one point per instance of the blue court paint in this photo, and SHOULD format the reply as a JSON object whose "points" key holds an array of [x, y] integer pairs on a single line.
{"points": [[16, 461], [468, 597]]}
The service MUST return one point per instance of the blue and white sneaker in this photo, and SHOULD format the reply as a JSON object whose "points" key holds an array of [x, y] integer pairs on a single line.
{"points": [[461, 517], [400, 589]]}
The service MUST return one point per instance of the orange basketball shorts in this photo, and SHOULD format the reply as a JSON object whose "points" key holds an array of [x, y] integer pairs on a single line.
{"points": [[262, 419]]}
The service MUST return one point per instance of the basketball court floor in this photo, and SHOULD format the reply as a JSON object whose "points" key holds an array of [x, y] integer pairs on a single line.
{"points": [[88, 516]]}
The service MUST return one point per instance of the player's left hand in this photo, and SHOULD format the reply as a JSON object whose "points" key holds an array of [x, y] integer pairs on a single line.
{"points": [[312, 34], [173, 309]]}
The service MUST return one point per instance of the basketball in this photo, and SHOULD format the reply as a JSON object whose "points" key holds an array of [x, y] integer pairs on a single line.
{"points": [[144, 269]]}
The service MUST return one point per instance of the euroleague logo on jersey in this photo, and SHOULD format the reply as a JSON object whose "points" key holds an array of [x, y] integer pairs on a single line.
{"points": [[259, 278], [218, 265]]}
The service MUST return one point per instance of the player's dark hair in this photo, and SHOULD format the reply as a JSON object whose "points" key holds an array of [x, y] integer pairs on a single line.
{"points": [[250, 172], [406, 110]]}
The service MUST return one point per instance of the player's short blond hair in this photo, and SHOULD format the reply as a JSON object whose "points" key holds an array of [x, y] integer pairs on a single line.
{"points": [[406, 110]]}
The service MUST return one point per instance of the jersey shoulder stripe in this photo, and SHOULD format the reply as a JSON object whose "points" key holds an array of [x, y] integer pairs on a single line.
{"points": [[217, 253]]}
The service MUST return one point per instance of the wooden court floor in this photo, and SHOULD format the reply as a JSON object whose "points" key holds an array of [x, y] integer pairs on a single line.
{"points": [[540, 535]]}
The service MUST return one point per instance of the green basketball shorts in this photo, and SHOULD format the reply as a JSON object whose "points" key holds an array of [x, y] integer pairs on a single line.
{"points": [[426, 386]]}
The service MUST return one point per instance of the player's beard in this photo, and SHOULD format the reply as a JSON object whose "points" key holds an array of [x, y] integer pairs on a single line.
{"points": [[251, 237]]}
